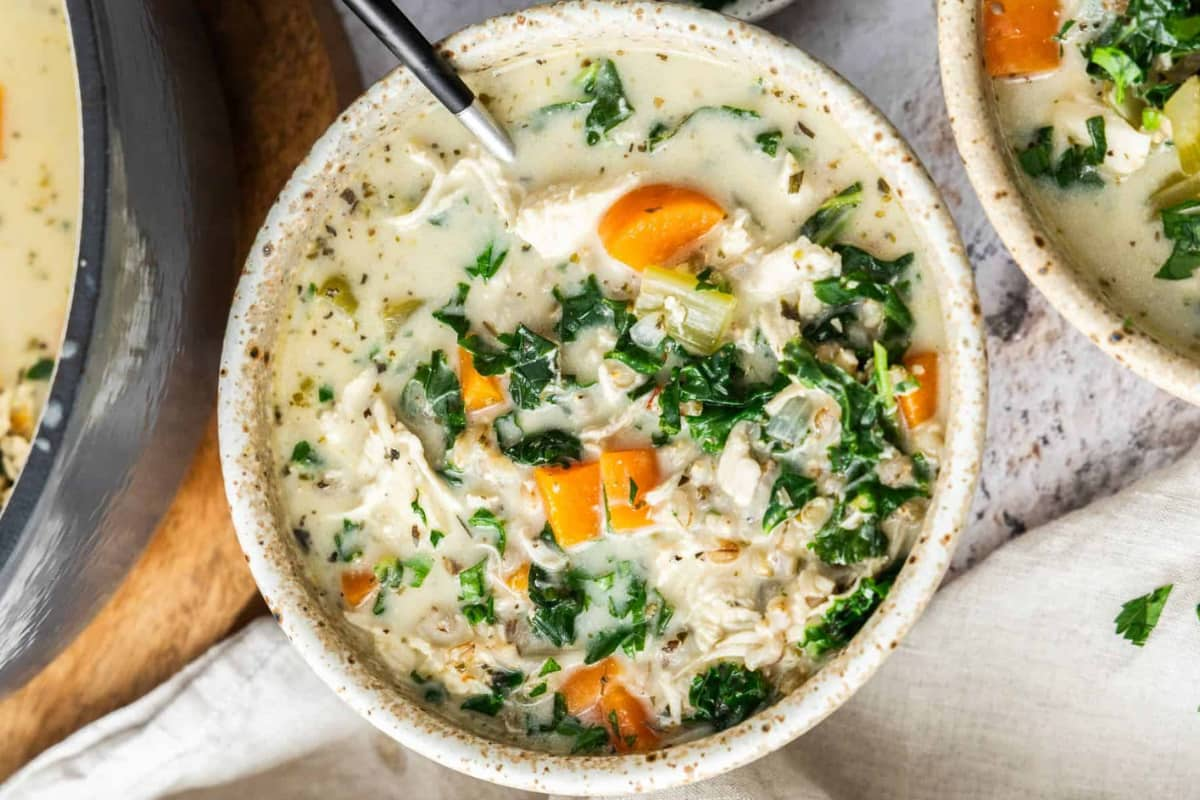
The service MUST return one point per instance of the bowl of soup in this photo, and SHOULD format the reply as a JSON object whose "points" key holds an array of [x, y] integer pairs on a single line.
{"points": [[624, 464], [1074, 119]]}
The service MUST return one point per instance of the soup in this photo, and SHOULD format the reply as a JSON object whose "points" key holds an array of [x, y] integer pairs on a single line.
{"points": [[1096, 109], [39, 205], [611, 447]]}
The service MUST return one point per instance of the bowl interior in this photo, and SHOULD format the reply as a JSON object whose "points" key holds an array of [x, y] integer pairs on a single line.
{"points": [[337, 652], [1069, 286]]}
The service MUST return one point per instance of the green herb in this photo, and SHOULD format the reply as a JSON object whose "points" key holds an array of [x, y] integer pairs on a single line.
{"points": [[824, 226], [451, 474], [790, 493], [434, 691], [558, 598], [389, 573], [41, 370], [728, 693], [1128, 51], [488, 262], [588, 738], [662, 615], [1061, 36], [662, 132], [547, 536], [442, 395], [539, 690], [325, 393], [1181, 224], [604, 97], [419, 565], [870, 503], [549, 668], [709, 280], [536, 449], [845, 617], [864, 278], [479, 605], [1140, 615], [486, 520], [588, 308], [769, 141], [1122, 70], [305, 453], [489, 704], [534, 365], [1077, 164], [454, 313], [633, 492], [436, 536], [417, 508], [605, 643], [345, 542]]}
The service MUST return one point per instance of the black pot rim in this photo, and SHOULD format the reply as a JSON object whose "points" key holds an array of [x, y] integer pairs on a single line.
{"points": [[94, 137]]}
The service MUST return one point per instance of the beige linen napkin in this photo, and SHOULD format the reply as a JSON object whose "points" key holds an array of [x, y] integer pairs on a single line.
{"points": [[1014, 684]]}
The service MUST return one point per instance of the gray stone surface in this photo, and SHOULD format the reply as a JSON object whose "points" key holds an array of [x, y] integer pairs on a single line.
{"points": [[1067, 424]]}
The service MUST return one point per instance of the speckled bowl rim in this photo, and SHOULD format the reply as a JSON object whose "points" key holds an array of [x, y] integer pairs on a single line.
{"points": [[993, 173], [323, 640]]}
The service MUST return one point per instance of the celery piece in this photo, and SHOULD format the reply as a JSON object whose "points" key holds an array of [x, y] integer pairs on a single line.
{"points": [[1183, 109], [696, 319], [337, 290], [395, 314]]}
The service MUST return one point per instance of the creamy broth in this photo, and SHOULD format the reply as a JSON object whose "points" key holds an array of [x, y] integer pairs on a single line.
{"points": [[578, 608], [1114, 232], [39, 205]]}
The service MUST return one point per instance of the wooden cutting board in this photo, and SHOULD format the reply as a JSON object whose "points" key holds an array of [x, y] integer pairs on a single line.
{"points": [[287, 71]]}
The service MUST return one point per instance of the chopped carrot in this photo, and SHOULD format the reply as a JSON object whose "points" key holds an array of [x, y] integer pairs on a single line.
{"points": [[356, 585], [628, 722], [584, 687], [627, 476], [479, 391], [1019, 36], [920, 404], [571, 496], [650, 225], [595, 694], [518, 579]]}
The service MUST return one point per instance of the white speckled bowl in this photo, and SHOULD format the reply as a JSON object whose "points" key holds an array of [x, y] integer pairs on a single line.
{"points": [[337, 654], [992, 169]]}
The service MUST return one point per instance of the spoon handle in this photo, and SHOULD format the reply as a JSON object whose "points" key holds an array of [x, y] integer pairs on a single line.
{"points": [[396, 31]]}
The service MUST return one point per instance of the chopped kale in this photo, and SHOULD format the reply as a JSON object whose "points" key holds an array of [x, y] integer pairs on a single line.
{"points": [[442, 397], [478, 603], [1181, 224], [347, 546], [483, 519], [558, 598], [768, 142], [488, 262], [864, 278], [1077, 164], [552, 446], [489, 704], [550, 667], [845, 617], [41, 370], [603, 97], [325, 393], [728, 693], [662, 132], [589, 308], [1128, 51], [533, 363], [790, 493], [304, 453], [1139, 616], [868, 504], [824, 226]]}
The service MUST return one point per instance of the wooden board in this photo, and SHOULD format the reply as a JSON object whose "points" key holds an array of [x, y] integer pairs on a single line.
{"points": [[287, 72]]}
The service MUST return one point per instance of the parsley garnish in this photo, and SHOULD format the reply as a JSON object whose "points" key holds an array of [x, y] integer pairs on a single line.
{"points": [[488, 262], [1139, 615]]}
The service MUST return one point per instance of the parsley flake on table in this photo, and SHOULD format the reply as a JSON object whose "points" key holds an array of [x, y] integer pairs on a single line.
{"points": [[1139, 615]]}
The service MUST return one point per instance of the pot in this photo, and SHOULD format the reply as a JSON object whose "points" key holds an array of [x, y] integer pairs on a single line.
{"points": [[329, 644], [131, 393]]}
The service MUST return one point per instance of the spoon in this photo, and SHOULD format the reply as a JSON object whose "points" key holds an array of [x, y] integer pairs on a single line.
{"points": [[400, 36]]}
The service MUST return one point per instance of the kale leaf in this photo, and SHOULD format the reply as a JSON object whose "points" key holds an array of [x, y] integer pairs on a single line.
{"points": [[863, 278], [603, 96], [588, 308], [545, 447], [1077, 164], [1181, 224], [442, 394], [533, 361], [478, 603], [558, 598], [790, 493], [728, 693], [484, 519], [824, 226], [488, 262], [869, 504], [662, 132], [845, 617]]}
